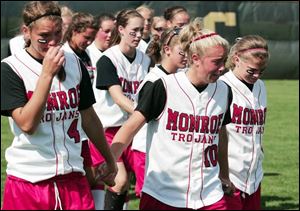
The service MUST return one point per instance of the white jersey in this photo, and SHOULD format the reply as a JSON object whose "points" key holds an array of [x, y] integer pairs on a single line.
{"points": [[55, 147], [95, 54], [181, 164], [143, 45], [139, 140], [16, 44], [90, 68], [131, 76], [245, 132]]}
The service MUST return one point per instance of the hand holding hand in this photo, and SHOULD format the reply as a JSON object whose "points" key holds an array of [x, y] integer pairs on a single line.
{"points": [[107, 173], [228, 187]]}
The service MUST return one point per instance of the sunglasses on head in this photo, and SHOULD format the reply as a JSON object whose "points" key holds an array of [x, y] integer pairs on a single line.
{"points": [[174, 32]]}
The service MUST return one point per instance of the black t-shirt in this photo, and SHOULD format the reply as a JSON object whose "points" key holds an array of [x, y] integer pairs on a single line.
{"points": [[84, 58], [153, 99], [13, 92], [106, 74]]}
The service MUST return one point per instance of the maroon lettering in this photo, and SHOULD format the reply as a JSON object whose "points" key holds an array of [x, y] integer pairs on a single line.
{"points": [[172, 120], [183, 122], [73, 97], [63, 100], [204, 125], [237, 114]]}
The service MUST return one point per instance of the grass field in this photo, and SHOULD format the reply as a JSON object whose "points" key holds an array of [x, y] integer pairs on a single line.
{"points": [[280, 187]]}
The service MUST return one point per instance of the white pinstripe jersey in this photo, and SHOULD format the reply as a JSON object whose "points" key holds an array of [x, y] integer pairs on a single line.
{"points": [[55, 147], [16, 44], [143, 45], [131, 76], [95, 54], [139, 140], [90, 67], [248, 112], [181, 165]]}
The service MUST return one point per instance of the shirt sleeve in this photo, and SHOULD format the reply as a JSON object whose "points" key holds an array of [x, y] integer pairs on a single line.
{"points": [[87, 97], [152, 100], [106, 74], [13, 92], [227, 118]]}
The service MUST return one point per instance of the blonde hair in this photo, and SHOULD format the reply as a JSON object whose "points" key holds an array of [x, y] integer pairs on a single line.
{"points": [[145, 7], [66, 11], [249, 46], [195, 40]]}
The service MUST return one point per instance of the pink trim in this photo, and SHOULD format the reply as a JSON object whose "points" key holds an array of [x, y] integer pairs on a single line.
{"points": [[191, 153], [27, 66], [13, 67], [203, 154], [248, 172], [252, 49]]}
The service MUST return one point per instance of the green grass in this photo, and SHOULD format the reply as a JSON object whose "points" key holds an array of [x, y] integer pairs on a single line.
{"points": [[280, 186]]}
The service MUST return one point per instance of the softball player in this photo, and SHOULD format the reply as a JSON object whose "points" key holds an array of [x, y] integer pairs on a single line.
{"points": [[172, 58], [147, 14], [176, 17], [79, 35], [95, 51], [247, 61], [119, 73], [48, 94], [185, 112]]}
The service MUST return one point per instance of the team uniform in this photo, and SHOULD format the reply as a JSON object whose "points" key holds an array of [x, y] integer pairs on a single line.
{"points": [[182, 142], [139, 140], [245, 132], [114, 68], [97, 190], [84, 57], [16, 44], [48, 160], [143, 44]]}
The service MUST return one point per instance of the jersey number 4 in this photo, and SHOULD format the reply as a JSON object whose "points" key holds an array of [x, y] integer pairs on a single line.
{"points": [[73, 131]]}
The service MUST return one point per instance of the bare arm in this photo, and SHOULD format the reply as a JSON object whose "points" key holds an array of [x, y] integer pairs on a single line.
{"points": [[120, 99], [93, 128], [126, 133], [29, 116], [227, 186]]}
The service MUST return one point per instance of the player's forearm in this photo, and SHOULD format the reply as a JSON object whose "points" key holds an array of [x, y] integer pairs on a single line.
{"points": [[94, 130], [120, 99], [223, 154], [125, 134]]}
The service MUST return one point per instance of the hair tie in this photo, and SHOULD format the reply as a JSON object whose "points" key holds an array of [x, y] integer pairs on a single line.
{"points": [[46, 14], [204, 36], [252, 49]]}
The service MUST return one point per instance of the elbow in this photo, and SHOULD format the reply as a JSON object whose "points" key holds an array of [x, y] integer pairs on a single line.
{"points": [[30, 130]]}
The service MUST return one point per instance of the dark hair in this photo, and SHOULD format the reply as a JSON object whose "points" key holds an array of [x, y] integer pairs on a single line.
{"points": [[103, 17], [170, 12], [35, 10], [122, 20], [80, 22]]}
